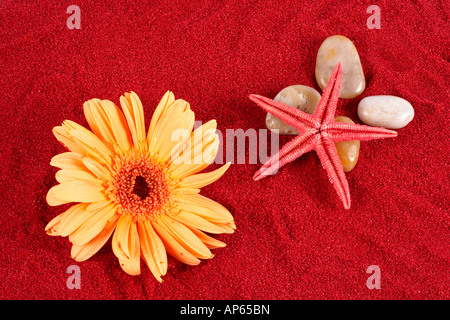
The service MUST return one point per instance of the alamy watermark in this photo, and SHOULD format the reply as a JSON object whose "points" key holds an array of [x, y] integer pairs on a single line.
{"points": [[236, 146], [74, 20], [74, 280], [374, 281], [374, 20]]}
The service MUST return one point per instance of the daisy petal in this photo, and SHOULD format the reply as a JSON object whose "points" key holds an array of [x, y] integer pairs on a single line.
{"points": [[92, 226], [74, 218], [68, 160], [92, 145], [98, 121], [78, 191], [192, 151], [82, 253], [228, 227], [118, 125], [181, 190], [178, 118], [66, 140], [53, 201], [180, 131], [96, 168], [120, 238], [204, 207], [186, 238], [134, 114], [190, 219], [138, 113], [52, 228], [203, 179], [66, 175], [132, 264], [210, 242], [152, 249], [192, 166], [109, 124], [94, 206], [173, 247], [165, 102]]}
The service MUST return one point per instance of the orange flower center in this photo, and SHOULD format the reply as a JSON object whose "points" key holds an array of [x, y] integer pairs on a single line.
{"points": [[139, 186]]}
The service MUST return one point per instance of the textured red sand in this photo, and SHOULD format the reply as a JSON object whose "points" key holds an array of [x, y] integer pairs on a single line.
{"points": [[294, 239]]}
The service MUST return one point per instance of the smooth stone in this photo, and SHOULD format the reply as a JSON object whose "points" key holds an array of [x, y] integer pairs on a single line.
{"points": [[340, 49], [389, 112], [348, 151], [298, 96]]}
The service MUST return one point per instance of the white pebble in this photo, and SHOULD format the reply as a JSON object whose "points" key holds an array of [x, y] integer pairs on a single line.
{"points": [[385, 111]]}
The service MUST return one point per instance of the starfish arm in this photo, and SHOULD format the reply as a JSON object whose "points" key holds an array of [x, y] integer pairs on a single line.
{"points": [[291, 151], [330, 162], [327, 105], [292, 116], [340, 131]]}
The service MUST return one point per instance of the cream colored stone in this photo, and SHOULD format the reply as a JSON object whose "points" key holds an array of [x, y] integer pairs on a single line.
{"points": [[348, 151], [340, 49], [298, 96], [385, 111]]}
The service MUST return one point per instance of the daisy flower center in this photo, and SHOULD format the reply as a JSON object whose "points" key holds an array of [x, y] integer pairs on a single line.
{"points": [[139, 186]]}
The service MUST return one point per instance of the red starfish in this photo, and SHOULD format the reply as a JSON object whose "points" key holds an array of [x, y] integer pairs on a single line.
{"points": [[318, 132]]}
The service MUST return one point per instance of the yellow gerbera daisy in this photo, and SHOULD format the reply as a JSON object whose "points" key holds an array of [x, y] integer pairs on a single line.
{"points": [[142, 188]]}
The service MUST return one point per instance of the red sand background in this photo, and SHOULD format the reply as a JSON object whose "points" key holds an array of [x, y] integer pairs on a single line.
{"points": [[294, 239]]}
